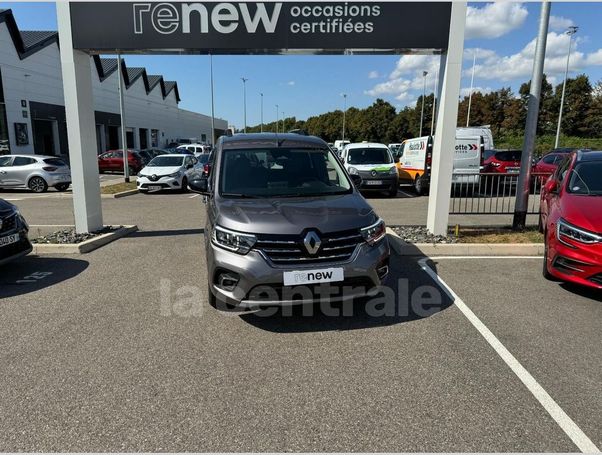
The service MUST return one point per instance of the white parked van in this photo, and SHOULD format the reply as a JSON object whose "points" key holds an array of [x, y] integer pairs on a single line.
{"points": [[416, 155], [374, 163], [340, 145], [483, 131]]}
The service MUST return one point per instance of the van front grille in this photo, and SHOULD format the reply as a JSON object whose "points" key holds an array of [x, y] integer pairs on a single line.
{"points": [[290, 249]]}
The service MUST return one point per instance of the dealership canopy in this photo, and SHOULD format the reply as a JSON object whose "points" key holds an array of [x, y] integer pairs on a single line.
{"points": [[329, 27], [261, 27]]}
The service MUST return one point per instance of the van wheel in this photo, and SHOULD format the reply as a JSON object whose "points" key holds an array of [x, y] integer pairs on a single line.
{"points": [[62, 187], [418, 186], [37, 185], [393, 192]]}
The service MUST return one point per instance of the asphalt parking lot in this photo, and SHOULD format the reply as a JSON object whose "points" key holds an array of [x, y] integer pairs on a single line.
{"points": [[118, 350]]}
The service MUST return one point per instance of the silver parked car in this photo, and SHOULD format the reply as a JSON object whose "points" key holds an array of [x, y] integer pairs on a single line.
{"points": [[282, 212], [36, 172]]}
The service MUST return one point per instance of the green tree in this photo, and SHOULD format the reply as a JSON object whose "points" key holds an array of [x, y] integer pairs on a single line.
{"points": [[577, 104]]}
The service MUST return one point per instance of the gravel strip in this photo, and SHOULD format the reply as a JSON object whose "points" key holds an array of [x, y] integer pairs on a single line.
{"points": [[69, 236], [419, 234]]}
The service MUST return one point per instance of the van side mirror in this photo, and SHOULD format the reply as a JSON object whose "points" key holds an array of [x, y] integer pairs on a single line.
{"points": [[356, 179], [199, 185], [396, 158]]}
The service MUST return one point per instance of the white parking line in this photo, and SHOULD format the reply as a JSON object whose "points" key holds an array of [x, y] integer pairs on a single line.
{"points": [[193, 196], [407, 194], [485, 257], [567, 424]]}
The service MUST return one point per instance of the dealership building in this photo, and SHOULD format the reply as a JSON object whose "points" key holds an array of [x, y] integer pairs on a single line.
{"points": [[32, 106]]}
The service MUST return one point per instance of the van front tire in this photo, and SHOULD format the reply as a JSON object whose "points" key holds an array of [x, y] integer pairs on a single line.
{"points": [[419, 186]]}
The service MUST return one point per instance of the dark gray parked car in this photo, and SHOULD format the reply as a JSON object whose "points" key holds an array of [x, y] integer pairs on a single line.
{"points": [[13, 233], [282, 212]]}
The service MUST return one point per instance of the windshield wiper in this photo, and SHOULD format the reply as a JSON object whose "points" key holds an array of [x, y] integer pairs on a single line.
{"points": [[240, 195]]}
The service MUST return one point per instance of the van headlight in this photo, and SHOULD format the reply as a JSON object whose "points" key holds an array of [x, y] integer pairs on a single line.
{"points": [[236, 242], [565, 229], [353, 171], [393, 171], [375, 232]]}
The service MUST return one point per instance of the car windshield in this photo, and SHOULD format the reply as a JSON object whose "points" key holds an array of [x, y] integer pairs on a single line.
{"points": [[586, 178], [508, 155], [281, 172], [369, 156], [204, 158], [166, 161], [55, 162], [488, 154]]}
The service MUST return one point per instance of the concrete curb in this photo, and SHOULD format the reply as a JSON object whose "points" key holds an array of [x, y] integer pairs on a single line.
{"points": [[463, 249], [84, 247], [119, 195]]}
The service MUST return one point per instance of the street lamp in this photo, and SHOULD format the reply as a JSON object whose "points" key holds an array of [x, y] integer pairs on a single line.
{"points": [[244, 90], [212, 103], [474, 61], [344, 113], [277, 119], [124, 142], [261, 112], [424, 73], [283, 121], [570, 31]]}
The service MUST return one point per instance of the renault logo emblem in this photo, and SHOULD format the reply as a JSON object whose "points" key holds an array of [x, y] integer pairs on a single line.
{"points": [[312, 242], [373, 173]]}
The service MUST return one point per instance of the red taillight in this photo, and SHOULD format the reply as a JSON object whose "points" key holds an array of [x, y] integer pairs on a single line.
{"points": [[207, 168], [429, 159], [49, 168]]}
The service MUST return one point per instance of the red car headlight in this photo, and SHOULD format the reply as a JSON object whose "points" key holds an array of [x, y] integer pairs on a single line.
{"points": [[565, 229]]}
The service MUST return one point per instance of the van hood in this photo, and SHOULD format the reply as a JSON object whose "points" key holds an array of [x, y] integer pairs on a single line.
{"points": [[582, 211], [292, 216]]}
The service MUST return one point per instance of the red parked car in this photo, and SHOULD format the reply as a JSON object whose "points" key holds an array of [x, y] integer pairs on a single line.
{"points": [[571, 220], [502, 161], [112, 161]]}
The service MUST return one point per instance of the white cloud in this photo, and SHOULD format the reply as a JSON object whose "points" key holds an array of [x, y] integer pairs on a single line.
{"points": [[494, 19], [484, 90], [373, 75], [559, 23], [520, 65], [595, 58], [291, 83]]}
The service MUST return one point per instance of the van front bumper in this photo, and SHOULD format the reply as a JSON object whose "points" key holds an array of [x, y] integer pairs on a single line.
{"points": [[262, 284]]}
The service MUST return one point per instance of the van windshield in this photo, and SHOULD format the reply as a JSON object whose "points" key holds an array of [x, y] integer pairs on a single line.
{"points": [[369, 156], [281, 172]]}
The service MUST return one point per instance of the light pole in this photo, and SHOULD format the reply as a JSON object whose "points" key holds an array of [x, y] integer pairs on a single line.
{"points": [[435, 101], [571, 31], [424, 73], [244, 91], [261, 112], [524, 178], [283, 121], [344, 113], [124, 141], [277, 119], [212, 104], [474, 61]]}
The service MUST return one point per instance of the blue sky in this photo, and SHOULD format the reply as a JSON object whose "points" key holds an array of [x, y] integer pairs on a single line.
{"points": [[501, 34]]}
